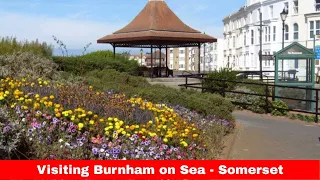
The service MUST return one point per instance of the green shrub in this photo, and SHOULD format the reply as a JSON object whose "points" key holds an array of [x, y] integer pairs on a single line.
{"points": [[99, 60], [278, 108], [9, 45], [222, 74], [243, 101], [260, 88], [205, 103]]}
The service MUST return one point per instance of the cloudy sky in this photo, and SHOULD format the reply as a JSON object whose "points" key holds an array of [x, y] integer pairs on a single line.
{"points": [[79, 22]]}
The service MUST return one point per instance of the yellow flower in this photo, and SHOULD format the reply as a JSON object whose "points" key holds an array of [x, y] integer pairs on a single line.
{"points": [[123, 132], [101, 120], [91, 122], [184, 143], [165, 140], [73, 118], [195, 135], [80, 126], [51, 97], [1, 98], [110, 119], [58, 115], [150, 122], [90, 112], [25, 107]]}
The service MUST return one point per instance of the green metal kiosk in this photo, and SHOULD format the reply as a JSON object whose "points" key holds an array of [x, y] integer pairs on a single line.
{"points": [[295, 67]]}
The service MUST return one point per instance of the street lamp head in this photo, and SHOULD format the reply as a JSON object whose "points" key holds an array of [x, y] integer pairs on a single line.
{"points": [[284, 15]]}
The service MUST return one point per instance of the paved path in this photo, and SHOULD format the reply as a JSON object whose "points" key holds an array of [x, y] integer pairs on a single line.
{"points": [[263, 137]]}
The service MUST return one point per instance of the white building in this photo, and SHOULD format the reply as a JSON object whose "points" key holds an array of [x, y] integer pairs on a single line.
{"points": [[241, 33], [186, 59], [213, 56]]}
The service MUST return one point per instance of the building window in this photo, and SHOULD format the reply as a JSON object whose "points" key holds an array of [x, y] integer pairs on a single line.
{"points": [[311, 29], [274, 33], [171, 51], [258, 14], [234, 41], [295, 6], [296, 63], [286, 5], [317, 27], [181, 51], [252, 37], [286, 32], [181, 66], [317, 5], [295, 31], [271, 11], [245, 38], [269, 33], [266, 34]]}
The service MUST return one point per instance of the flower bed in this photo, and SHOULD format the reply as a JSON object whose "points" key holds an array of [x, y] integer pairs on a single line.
{"points": [[76, 122]]}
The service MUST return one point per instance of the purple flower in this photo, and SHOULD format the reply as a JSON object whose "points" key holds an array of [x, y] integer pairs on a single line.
{"points": [[6, 129], [51, 156], [115, 156], [126, 152], [95, 151], [30, 131], [55, 120], [49, 139], [104, 146], [157, 156]]}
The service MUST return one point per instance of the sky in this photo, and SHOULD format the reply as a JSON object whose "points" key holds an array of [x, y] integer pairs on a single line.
{"points": [[79, 22]]}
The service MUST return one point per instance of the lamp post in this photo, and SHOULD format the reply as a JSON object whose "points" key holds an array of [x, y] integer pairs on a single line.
{"points": [[141, 52], [283, 15]]}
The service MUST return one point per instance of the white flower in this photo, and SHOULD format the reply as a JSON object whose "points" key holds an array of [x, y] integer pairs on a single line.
{"points": [[23, 119], [107, 154], [67, 144], [60, 140], [30, 139], [61, 146], [124, 158], [101, 150]]}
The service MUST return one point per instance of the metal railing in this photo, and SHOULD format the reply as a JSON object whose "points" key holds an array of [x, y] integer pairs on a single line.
{"points": [[268, 94]]}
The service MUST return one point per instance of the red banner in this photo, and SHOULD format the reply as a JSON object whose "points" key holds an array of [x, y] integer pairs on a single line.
{"points": [[160, 170]]}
